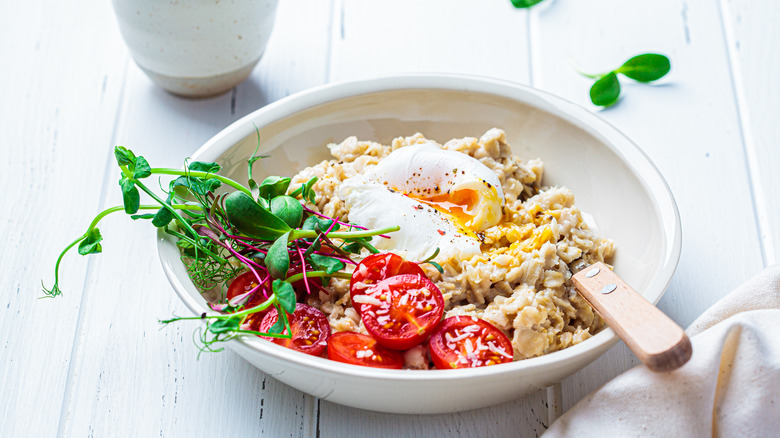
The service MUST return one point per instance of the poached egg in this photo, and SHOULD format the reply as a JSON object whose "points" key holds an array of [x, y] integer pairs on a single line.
{"points": [[440, 199]]}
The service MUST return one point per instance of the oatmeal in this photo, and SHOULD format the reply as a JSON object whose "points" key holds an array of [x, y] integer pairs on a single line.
{"points": [[519, 279]]}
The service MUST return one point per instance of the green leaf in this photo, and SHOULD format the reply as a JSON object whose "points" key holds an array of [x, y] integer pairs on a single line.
{"points": [[162, 218], [182, 243], [199, 186], [130, 196], [212, 184], [264, 203], [135, 217], [606, 91], [436, 265], [277, 260], [248, 217], [181, 181], [186, 248], [316, 223], [225, 325], [255, 189], [285, 295], [646, 68], [306, 191], [273, 186], [91, 245], [287, 209], [327, 264], [124, 156], [278, 326], [352, 248], [203, 166], [186, 223], [257, 255], [358, 244], [141, 169], [191, 183], [525, 3]]}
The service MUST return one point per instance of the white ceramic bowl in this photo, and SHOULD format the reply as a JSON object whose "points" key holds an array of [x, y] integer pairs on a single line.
{"points": [[611, 179]]}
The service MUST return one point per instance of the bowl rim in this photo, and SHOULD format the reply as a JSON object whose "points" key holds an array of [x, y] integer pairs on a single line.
{"points": [[567, 110]]}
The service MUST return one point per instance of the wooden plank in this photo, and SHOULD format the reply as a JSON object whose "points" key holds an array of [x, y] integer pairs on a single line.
{"points": [[372, 38], [525, 417], [131, 376], [688, 126], [749, 26], [59, 91]]}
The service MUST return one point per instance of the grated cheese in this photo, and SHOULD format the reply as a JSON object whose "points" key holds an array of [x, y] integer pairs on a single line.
{"points": [[497, 350], [472, 328], [360, 354], [366, 299], [457, 337]]}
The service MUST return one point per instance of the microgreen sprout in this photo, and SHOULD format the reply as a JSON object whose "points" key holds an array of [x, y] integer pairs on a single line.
{"points": [[430, 261], [265, 229], [644, 68]]}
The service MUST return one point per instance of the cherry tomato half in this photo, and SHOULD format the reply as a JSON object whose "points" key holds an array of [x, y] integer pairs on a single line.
{"points": [[310, 329], [242, 284], [360, 349], [401, 311], [468, 342], [377, 267]]}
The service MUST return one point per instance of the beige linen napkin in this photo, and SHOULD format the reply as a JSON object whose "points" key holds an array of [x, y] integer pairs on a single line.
{"points": [[729, 388]]}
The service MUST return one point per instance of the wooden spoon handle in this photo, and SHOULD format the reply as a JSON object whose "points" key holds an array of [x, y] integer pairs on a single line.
{"points": [[654, 338]]}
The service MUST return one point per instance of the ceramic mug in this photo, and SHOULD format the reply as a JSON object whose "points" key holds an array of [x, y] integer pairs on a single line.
{"points": [[196, 48]]}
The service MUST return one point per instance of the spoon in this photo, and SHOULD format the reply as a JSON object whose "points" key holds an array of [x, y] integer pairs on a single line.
{"points": [[655, 339]]}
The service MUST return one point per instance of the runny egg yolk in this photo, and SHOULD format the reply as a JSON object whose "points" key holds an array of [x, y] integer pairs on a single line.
{"points": [[460, 204], [457, 205], [463, 207]]}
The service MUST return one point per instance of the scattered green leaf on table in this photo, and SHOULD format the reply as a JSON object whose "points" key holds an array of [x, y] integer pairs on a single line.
{"points": [[606, 91], [643, 68], [646, 68], [525, 3]]}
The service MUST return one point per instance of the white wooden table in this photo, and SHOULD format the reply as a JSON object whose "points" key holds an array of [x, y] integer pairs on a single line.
{"points": [[94, 362]]}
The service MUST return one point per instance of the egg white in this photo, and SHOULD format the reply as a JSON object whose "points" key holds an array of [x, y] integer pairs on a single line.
{"points": [[423, 229]]}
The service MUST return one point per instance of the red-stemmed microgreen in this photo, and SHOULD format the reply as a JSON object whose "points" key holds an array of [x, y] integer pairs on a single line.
{"points": [[264, 229]]}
